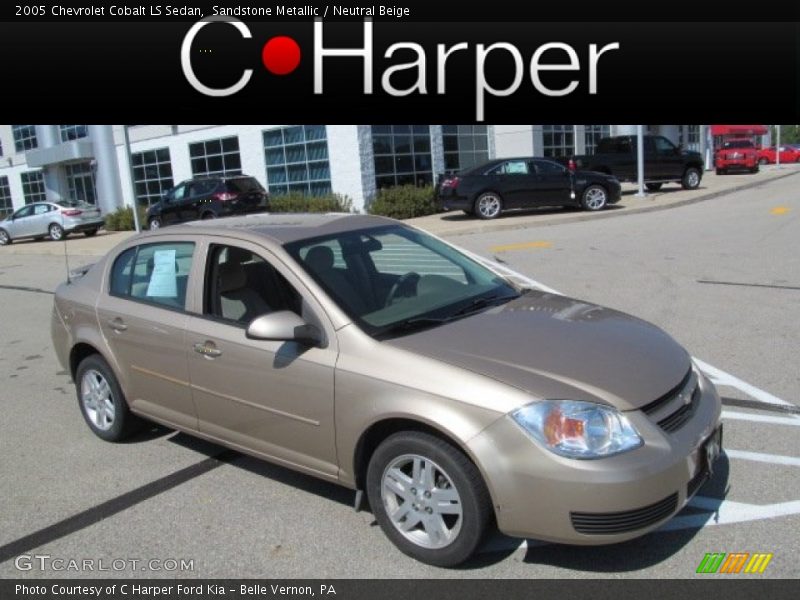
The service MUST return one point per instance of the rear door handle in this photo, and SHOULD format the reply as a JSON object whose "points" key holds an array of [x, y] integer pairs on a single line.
{"points": [[117, 324], [207, 349]]}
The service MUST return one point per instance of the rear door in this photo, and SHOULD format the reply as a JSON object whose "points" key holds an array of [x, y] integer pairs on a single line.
{"points": [[516, 184], [142, 314]]}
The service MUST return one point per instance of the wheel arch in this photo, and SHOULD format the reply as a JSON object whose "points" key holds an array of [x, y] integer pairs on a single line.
{"points": [[378, 431]]}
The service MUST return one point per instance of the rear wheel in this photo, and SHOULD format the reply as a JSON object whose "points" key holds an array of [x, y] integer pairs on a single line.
{"points": [[653, 187], [90, 232], [5, 239], [154, 223], [429, 499], [101, 401], [56, 232], [488, 205], [691, 178], [594, 198], [208, 215]]}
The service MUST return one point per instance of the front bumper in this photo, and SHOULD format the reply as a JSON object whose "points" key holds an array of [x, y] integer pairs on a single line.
{"points": [[540, 495]]}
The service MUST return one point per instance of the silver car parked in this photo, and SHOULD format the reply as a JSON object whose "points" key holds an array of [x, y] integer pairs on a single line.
{"points": [[370, 354], [50, 219]]}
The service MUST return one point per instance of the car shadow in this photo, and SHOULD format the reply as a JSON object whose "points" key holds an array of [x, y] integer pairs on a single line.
{"points": [[515, 212], [664, 190], [256, 466], [641, 553]]}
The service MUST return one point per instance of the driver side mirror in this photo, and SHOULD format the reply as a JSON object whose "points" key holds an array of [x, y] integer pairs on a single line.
{"points": [[285, 326]]}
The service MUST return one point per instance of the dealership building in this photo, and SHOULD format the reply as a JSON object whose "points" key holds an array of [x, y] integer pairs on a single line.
{"points": [[91, 162]]}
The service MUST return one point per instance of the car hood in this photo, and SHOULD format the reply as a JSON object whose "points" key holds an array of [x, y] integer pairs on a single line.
{"points": [[557, 347]]}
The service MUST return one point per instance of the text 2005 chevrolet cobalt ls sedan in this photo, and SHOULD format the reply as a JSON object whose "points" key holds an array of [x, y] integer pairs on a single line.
{"points": [[365, 352]]}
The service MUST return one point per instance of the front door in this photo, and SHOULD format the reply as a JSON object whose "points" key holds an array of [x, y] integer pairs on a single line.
{"points": [[271, 397], [554, 183], [669, 159]]}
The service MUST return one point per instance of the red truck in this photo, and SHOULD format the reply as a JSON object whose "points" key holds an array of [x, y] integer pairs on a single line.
{"points": [[736, 154]]}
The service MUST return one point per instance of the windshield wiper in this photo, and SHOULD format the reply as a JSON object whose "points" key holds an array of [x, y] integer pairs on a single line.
{"points": [[409, 325], [483, 302]]}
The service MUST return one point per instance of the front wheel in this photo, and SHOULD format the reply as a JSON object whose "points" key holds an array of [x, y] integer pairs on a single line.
{"points": [[90, 233], [5, 239], [56, 232], [488, 205], [594, 198], [154, 223], [101, 401], [429, 499], [653, 187], [691, 178]]}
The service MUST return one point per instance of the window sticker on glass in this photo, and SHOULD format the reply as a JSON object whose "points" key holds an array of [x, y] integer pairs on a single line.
{"points": [[163, 280]]}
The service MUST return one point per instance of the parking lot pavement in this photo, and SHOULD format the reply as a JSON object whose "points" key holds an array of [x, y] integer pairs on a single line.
{"points": [[721, 276]]}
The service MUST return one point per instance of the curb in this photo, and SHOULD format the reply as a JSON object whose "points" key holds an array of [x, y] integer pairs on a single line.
{"points": [[577, 218]]}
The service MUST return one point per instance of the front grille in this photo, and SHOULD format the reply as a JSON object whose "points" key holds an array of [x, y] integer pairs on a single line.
{"points": [[677, 419], [624, 521], [685, 396], [656, 404]]}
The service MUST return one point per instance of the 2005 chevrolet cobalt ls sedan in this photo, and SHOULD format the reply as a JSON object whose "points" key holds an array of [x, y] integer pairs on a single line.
{"points": [[368, 353]]}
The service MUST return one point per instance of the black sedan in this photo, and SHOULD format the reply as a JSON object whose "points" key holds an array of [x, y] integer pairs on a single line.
{"points": [[488, 189]]}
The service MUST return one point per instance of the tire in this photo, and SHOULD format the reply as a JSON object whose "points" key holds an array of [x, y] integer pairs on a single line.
{"points": [[102, 402], [391, 486], [594, 198], [653, 187], [469, 212], [720, 171], [691, 178], [754, 169], [763, 161], [5, 239], [56, 232], [154, 223], [488, 205], [208, 215], [90, 233]]}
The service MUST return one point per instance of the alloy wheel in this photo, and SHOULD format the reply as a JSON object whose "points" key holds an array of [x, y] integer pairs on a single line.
{"points": [[98, 400]]}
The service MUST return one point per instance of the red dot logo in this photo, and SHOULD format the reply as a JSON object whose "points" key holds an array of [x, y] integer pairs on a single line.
{"points": [[281, 55]]}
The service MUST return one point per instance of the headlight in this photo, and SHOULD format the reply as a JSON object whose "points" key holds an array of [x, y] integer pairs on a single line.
{"points": [[578, 429]]}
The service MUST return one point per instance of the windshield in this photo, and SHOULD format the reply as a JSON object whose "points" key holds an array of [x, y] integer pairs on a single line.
{"points": [[738, 144], [392, 280]]}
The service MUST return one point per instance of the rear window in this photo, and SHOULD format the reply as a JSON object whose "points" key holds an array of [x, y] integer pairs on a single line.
{"points": [[620, 145], [249, 184]]}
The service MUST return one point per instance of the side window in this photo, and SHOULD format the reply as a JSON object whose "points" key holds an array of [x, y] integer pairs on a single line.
{"points": [[241, 286], [546, 167], [25, 211], [178, 193], [154, 273], [514, 167], [664, 146], [40, 209]]}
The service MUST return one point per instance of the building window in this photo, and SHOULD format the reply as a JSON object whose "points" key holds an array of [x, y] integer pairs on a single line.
{"points": [[297, 160], [592, 135], [559, 140], [80, 182], [72, 132], [24, 137], [216, 157], [33, 187], [1, 147], [6, 206], [152, 175], [692, 137], [464, 146], [402, 155]]}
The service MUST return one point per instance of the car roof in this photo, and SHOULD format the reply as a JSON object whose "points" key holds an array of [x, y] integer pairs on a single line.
{"points": [[281, 228]]}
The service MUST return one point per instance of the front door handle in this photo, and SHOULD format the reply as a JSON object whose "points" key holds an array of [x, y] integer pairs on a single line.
{"points": [[117, 324], [207, 349]]}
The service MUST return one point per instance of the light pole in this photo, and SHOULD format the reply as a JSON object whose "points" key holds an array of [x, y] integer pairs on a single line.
{"points": [[778, 146], [640, 160]]}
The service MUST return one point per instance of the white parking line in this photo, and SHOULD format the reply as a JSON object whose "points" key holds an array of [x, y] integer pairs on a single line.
{"points": [[775, 459], [740, 416], [720, 377], [725, 512]]}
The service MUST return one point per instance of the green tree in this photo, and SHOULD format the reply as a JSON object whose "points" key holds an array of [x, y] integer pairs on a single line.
{"points": [[790, 134]]}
